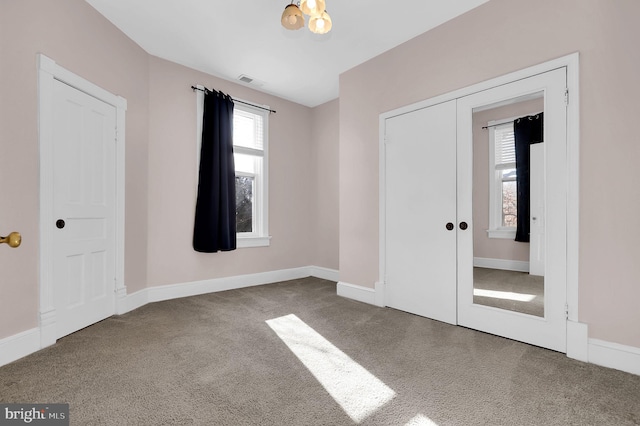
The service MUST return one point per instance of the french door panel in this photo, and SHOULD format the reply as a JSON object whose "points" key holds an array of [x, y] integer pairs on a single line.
{"points": [[420, 153], [548, 331]]}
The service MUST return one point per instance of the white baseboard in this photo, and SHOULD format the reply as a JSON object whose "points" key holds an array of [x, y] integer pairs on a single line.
{"points": [[129, 302], [379, 289], [28, 342], [614, 355], [324, 273], [507, 265], [607, 354], [578, 341], [356, 292], [194, 288], [19, 345]]}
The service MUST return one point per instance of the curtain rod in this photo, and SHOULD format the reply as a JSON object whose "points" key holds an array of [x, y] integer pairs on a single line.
{"points": [[500, 124], [494, 125], [235, 100]]}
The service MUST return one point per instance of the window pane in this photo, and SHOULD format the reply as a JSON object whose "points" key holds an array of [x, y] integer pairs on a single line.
{"points": [[245, 163], [247, 129], [505, 144], [244, 203], [509, 204]]}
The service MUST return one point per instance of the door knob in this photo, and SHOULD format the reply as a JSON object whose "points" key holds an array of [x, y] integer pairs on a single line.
{"points": [[14, 239], [463, 225], [449, 226], [60, 223]]}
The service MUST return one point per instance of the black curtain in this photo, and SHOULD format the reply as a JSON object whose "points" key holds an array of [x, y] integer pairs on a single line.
{"points": [[527, 130], [215, 222]]}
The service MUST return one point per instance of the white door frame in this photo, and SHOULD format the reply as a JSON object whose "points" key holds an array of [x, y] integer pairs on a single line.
{"points": [[576, 332], [48, 71]]}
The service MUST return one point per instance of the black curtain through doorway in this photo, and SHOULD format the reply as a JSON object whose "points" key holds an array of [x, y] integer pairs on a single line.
{"points": [[215, 220], [527, 130]]}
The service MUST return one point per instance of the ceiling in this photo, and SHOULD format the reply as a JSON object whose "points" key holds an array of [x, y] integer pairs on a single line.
{"points": [[229, 38]]}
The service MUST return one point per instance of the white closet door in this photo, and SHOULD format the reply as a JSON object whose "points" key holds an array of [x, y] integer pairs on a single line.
{"points": [[548, 331], [420, 168]]}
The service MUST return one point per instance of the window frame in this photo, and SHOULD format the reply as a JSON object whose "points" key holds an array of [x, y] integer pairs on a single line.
{"points": [[496, 230], [260, 236]]}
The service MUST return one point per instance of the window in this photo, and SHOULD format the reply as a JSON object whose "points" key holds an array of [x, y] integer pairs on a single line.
{"points": [[250, 155], [250, 147], [503, 199]]}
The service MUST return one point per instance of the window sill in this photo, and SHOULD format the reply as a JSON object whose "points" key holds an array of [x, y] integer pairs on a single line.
{"points": [[244, 242], [502, 233]]}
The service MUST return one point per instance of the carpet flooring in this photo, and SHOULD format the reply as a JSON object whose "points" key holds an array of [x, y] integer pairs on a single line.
{"points": [[215, 360], [510, 282]]}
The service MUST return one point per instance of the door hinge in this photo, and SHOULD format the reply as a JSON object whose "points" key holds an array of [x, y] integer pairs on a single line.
{"points": [[566, 311], [566, 96]]}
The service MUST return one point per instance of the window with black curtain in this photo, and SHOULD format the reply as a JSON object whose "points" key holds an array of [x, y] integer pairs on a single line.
{"points": [[215, 218]]}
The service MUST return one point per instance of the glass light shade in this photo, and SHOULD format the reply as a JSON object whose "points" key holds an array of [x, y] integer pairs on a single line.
{"points": [[292, 18], [312, 7], [320, 24]]}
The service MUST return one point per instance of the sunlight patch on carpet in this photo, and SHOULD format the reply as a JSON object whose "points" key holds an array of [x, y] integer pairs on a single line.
{"points": [[421, 420], [357, 391], [519, 297]]}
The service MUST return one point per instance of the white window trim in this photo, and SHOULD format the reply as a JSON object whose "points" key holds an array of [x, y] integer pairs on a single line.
{"points": [[261, 238]]}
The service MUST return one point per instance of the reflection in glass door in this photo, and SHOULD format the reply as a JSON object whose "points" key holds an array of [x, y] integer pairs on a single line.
{"points": [[503, 275]]}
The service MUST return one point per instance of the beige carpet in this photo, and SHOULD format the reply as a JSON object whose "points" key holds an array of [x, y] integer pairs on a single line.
{"points": [[506, 283], [213, 360]]}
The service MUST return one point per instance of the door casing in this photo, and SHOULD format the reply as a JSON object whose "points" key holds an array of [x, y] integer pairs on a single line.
{"points": [[48, 71]]}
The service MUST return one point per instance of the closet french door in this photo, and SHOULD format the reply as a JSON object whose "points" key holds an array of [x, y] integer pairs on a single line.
{"points": [[428, 210], [548, 331], [420, 212]]}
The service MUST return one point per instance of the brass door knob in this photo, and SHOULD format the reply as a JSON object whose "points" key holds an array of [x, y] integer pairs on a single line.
{"points": [[13, 239]]}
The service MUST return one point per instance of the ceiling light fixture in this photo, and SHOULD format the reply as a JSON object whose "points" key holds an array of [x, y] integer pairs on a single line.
{"points": [[319, 19]]}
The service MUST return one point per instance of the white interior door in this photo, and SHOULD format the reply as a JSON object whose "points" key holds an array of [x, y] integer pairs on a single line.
{"points": [[550, 330], [420, 252], [84, 187]]}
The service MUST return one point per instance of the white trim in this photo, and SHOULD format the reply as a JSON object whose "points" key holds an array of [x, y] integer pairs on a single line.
{"points": [[504, 264], [48, 71], [507, 234], [577, 341], [30, 341], [570, 61], [19, 345], [244, 242], [573, 184], [130, 302], [193, 288], [356, 292], [324, 273], [379, 289], [614, 355]]}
